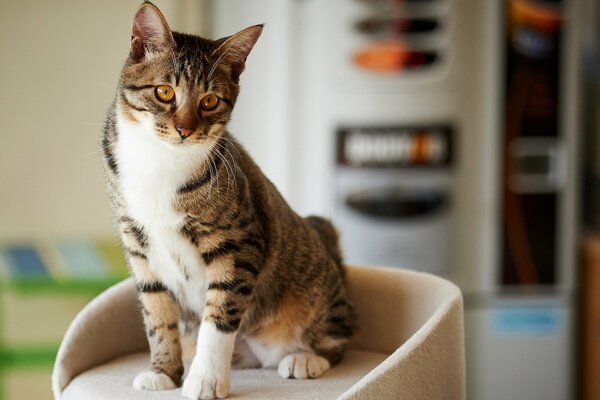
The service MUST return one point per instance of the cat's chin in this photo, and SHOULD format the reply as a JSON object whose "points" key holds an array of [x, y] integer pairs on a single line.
{"points": [[200, 148]]}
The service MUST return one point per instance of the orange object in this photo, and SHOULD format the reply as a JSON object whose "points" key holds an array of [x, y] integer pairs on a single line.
{"points": [[542, 17], [382, 56], [589, 317], [421, 148]]}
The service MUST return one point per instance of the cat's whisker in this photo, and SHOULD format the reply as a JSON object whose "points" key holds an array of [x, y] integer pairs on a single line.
{"points": [[212, 160], [227, 170], [101, 150], [227, 139], [218, 61], [216, 154], [228, 166], [91, 123], [95, 153], [226, 148], [218, 84], [210, 168]]}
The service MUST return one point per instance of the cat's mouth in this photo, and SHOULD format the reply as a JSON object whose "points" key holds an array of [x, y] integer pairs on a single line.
{"points": [[177, 139]]}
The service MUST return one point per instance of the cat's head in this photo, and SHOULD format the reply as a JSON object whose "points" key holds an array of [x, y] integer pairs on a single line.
{"points": [[182, 87]]}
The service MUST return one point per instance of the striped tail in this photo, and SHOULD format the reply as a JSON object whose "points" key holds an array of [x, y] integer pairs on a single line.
{"points": [[329, 237]]}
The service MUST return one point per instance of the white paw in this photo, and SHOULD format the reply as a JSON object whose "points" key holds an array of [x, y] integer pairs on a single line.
{"points": [[302, 366], [150, 380], [205, 387]]}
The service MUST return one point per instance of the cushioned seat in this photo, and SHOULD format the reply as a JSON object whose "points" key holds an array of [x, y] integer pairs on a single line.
{"points": [[410, 346], [257, 384]]}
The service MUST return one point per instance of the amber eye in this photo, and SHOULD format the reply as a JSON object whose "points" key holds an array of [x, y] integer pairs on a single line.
{"points": [[209, 102], [164, 93]]}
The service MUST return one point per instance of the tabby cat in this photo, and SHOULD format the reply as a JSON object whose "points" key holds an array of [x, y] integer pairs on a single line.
{"points": [[207, 236]]}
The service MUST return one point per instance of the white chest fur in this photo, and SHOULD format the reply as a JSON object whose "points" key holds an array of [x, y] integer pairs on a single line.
{"points": [[150, 173]]}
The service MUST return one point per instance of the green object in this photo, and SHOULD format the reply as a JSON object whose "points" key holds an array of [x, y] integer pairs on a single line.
{"points": [[21, 280], [49, 286], [28, 357]]}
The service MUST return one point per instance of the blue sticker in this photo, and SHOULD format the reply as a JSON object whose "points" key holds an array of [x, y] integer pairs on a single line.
{"points": [[537, 321], [24, 261]]}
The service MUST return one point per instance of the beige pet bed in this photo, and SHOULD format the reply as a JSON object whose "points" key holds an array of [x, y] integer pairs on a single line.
{"points": [[410, 346]]}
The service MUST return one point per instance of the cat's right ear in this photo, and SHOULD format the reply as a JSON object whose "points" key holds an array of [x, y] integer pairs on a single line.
{"points": [[150, 32]]}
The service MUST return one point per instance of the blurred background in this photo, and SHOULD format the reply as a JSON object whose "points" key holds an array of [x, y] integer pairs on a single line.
{"points": [[457, 137]]}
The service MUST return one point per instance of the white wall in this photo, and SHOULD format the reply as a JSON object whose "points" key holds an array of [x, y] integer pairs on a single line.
{"points": [[59, 65]]}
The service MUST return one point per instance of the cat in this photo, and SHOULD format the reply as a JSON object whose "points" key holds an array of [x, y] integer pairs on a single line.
{"points": [[207, 236]]}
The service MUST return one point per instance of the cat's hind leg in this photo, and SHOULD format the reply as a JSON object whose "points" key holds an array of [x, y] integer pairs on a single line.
{"points": [[327, 348], [243, 357], [151, 380], [292, 360], [302, 365]]}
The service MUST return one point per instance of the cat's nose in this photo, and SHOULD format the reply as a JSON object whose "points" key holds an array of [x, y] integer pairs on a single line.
{"points": [[183, 132]]}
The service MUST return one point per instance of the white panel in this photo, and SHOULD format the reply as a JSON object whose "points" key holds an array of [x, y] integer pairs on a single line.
{"points": [[524, 356]]}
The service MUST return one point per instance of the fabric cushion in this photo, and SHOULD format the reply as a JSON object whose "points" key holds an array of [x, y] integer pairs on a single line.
{"points": [[113, 381]]}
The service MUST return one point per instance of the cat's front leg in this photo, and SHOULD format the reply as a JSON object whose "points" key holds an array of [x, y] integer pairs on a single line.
{"points": [[209, 375], [160, 312], [226, 297], [161, 315]]}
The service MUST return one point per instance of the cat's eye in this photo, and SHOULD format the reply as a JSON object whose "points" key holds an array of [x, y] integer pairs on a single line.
{"points": [[164, 93], [209, 102]]}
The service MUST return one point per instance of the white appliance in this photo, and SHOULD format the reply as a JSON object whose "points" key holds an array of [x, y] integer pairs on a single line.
{"points": [[393, 191], [327, 75]]}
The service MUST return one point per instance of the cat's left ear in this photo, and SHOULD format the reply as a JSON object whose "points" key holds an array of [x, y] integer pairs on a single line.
{"points": [[235, 49]]}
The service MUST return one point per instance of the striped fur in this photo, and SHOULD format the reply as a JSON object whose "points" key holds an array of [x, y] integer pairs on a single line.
{"points": [[206, 234]]}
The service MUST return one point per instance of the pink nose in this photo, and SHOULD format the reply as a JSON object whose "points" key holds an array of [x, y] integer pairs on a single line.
{"points": [[183, 132]]}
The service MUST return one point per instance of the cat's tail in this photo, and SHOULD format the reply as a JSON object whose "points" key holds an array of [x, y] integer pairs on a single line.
{"points": [[329, 237]]}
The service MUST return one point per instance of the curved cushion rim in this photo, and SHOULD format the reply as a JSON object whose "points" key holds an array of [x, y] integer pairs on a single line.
{"points": [[418, 337], [452, 297]]}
